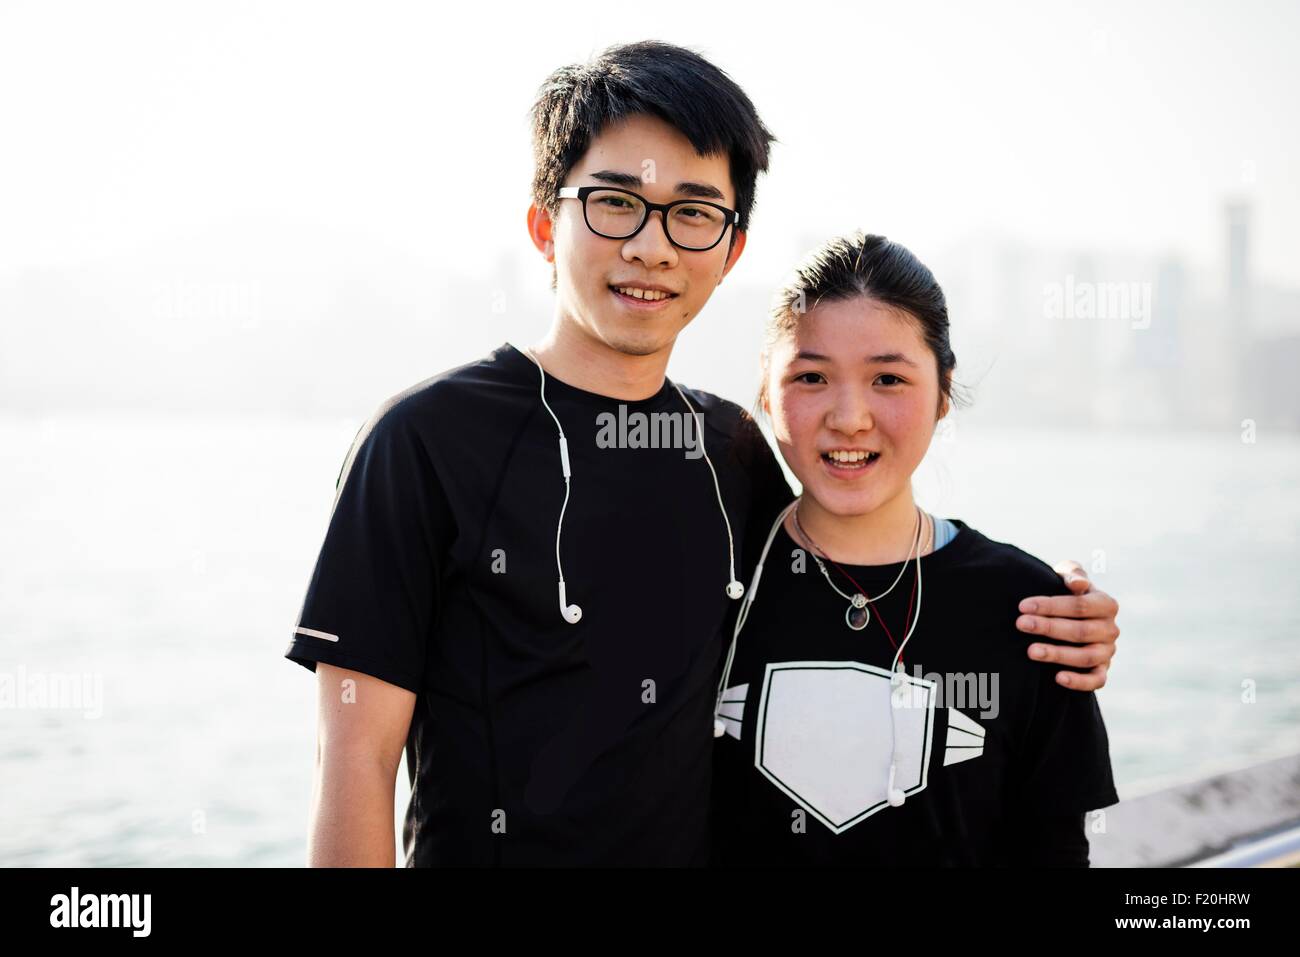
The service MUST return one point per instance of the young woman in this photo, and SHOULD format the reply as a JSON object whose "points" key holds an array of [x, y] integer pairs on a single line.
{"points": [[876, 706]]}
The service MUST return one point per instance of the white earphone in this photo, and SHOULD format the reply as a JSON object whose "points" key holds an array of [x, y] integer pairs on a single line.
{"points": [[893, 794], [572, 613]]}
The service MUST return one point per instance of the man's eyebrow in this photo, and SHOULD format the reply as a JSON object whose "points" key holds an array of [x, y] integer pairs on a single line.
{"points": [[883, 358], [633, 182]]}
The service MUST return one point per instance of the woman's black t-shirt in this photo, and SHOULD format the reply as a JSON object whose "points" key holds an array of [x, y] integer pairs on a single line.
{"points": [[998, 761]]}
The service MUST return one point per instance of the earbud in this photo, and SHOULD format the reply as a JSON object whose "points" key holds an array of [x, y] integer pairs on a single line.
{"points": [[572, 613], [894, 795], [719, 729]]}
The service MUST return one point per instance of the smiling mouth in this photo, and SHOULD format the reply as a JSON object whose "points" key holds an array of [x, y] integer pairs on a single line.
{"points": [[849, 461], [642, 297]]}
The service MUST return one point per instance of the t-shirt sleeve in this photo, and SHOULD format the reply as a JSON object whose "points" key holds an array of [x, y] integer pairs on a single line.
{"points": [[373, 595], [1052, 840], [1064, 762], [769, 490]]}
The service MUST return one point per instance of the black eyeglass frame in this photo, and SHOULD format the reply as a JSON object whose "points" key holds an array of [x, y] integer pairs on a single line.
{"points": [[582, 192]]}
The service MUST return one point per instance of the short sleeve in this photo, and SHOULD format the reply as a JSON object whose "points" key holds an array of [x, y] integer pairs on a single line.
{"points": [[1052, 840], [373, 595], [769, 490], [1064, 765]]}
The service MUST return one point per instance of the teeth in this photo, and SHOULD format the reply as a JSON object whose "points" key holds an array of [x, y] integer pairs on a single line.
{"points": [[839, 455], [651, 295]]}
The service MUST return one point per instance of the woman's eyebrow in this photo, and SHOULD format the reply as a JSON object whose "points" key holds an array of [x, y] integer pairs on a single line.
{"points": [[891, 357], [885, 357], [632, 181]]}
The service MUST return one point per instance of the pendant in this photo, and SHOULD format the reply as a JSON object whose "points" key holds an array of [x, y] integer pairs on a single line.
{"points": [[858, 614]]}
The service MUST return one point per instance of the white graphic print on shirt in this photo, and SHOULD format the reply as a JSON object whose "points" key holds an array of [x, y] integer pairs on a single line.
{"points": [[818, 735]]}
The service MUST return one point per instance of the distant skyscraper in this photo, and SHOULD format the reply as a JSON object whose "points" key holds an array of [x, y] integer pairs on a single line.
{"points": [[1238, 290], [1159, 347], [1237, 299]]}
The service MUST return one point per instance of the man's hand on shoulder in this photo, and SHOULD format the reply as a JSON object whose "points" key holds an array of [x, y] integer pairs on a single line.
{"points": [[1085, 617]]}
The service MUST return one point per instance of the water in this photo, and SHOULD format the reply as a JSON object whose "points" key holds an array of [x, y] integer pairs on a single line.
{"points": [[167, 556]]}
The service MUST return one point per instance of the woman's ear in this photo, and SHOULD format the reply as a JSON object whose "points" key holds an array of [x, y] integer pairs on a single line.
{"points": [[945, 396]]}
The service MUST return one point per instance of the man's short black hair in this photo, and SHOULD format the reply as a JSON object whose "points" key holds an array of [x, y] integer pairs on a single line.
{"points": [[677, 85]]}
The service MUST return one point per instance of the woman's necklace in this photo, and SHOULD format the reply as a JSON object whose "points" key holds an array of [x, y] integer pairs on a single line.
{"points": [[858, 614]]}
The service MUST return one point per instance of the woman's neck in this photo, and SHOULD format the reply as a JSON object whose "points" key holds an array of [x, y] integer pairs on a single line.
{"points": [[882, 536]]}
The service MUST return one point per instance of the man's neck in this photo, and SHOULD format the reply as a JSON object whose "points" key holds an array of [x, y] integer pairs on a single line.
{"points": [[579, 360]]}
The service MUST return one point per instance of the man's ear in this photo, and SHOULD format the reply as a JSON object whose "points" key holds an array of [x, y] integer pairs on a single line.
{"points": [[540, 226], [733, 254]]}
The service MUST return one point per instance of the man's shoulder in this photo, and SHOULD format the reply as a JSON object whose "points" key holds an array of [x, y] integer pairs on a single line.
{"points": [[709, 401], [728, 417], [464, 393]]}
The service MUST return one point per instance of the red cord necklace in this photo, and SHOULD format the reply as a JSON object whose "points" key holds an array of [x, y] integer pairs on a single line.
{"points": [[856, 606]]}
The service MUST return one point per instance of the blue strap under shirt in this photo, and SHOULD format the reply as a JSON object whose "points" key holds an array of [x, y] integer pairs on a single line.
{"points": [[944, 532]]}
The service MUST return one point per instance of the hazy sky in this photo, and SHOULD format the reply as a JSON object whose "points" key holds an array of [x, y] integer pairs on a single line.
{"points": [[131, 126]]}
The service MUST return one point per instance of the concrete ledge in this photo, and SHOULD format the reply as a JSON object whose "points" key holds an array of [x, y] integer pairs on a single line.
{"points": [[1193, 822]]}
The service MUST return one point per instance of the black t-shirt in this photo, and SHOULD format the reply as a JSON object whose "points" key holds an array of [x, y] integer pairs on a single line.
{"points": [[995, 772], [535, 741]]}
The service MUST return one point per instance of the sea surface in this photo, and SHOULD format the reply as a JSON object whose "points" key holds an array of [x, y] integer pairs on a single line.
{"points": [[158, 563]]}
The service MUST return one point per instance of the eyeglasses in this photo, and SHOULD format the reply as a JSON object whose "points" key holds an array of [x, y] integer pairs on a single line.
{"points": [[620, 214]]}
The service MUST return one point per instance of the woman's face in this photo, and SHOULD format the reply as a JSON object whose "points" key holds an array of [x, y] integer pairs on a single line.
{"points": [[854, 398]]}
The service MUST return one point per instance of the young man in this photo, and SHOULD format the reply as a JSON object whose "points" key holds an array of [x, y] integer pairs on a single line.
{"points": [[518, 584]]}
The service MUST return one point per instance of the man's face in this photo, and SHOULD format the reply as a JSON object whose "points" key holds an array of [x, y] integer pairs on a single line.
{"points": [[650, 157]]}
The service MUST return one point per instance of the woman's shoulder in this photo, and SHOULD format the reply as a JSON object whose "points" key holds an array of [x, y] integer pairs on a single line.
{"points": [[1001, 564]]}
